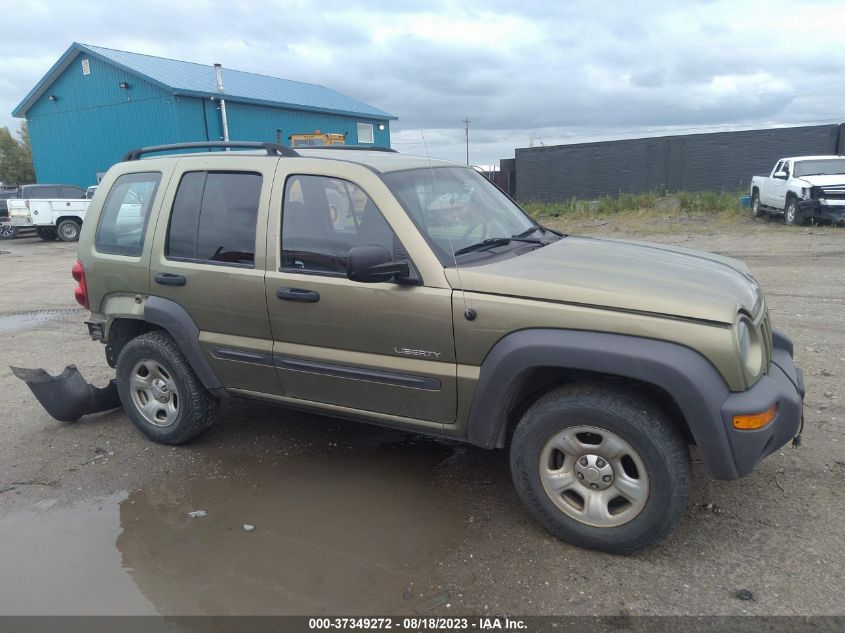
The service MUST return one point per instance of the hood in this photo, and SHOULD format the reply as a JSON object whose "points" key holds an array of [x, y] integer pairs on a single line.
{"points": [[622, 275], [823, 180]]}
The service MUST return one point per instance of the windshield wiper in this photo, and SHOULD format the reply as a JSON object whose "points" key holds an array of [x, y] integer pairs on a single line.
{"points": [[528, 232], [492, 242], [538, 227]]}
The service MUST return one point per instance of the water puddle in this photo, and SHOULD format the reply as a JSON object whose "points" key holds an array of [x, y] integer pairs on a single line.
{"points": [[27, 320], [360, 531], [62, 560]]}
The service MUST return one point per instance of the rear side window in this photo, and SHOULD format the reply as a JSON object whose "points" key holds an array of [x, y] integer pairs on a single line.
{"points": [[123, 220], [214, 218]]}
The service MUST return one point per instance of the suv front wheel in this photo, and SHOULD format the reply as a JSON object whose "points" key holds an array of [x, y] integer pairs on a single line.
{"points": [[601, 467], [160, 392]]}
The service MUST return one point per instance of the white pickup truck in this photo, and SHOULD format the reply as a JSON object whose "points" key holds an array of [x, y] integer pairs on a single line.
{"points": [[51, 218], [802, 188]]}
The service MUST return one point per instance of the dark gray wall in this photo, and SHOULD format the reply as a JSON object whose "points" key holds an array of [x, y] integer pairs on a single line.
{"points": [[722, 161]]}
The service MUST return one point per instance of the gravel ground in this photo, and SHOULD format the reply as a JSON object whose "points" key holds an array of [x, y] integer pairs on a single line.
{"points": [[356, 519]]}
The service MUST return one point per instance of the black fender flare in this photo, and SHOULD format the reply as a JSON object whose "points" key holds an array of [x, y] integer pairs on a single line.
{"points": [[689, 378], [179, 324]]}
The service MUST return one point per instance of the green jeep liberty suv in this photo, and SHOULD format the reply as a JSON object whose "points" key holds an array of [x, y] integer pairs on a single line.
{"points": [[412, 293]]}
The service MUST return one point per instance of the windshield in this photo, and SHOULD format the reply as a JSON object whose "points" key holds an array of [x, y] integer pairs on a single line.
{"points": [[456, 207], [819, 167]]}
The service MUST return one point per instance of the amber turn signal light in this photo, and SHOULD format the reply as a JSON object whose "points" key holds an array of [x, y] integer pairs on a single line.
{"points": [[755, 420]]}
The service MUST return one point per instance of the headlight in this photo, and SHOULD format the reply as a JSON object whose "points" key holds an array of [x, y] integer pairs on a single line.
{"points": [[750, 344]]}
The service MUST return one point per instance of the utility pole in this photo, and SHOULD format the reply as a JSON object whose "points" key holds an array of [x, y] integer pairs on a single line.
{"points": [[466, 133]]}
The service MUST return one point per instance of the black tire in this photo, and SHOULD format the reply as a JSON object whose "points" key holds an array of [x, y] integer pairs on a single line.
{"points": [[196, 405], [8, 232], [792, 213], [48, 234], [658, 444], [68, 230], [756, 208]]}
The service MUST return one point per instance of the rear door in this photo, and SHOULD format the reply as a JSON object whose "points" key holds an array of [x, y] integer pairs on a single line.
{"points": [[207, 258]]}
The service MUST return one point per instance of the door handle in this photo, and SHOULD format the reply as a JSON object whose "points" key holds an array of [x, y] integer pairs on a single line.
{"points": [[300, 295], [168, 279]]}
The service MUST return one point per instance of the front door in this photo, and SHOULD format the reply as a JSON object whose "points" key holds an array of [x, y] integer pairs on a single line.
{"points": [[777, 186], [381, 347], [210, 264]]}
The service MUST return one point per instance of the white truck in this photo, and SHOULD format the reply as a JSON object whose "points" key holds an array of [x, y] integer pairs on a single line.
{"points": [[51, 218], [802, 188]]}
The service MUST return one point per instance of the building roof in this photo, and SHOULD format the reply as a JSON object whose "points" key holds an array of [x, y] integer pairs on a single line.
{"points": [[199, 80]]}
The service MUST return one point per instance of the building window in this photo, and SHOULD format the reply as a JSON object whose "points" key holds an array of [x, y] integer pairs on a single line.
{"points": [[365, 133], [123, 221], [214, 218]]}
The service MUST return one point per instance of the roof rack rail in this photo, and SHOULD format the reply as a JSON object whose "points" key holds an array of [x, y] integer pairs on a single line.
{"points": [[272, 149], [358, 148]]}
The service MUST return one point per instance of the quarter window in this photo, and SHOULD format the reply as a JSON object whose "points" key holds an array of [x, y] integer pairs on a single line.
{"points": [[214, 218], [123, 220], [323, 218]]}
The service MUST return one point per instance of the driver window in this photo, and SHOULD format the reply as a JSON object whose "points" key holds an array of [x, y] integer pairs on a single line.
{"points": [[323, 218], [785, 168]]}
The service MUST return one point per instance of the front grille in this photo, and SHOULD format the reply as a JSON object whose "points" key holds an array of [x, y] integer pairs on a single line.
{"points": [[835, 192]]}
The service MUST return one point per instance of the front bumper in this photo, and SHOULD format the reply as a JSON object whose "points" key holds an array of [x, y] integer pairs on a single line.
{"points": [[820, 210], [782, 386]]}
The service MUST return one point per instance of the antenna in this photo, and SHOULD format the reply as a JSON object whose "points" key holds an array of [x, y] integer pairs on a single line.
{"points": [[466, 133], [469, 313]]}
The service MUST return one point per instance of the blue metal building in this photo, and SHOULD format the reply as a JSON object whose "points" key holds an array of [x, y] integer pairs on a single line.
{"points": [[96, 103]]}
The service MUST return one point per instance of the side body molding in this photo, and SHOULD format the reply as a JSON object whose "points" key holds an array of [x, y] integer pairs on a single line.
{"points": [[684, 374], [179, 324]]}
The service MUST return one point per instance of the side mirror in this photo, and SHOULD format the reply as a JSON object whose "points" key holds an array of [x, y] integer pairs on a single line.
{"points": [[781, 174], [374, 264]]}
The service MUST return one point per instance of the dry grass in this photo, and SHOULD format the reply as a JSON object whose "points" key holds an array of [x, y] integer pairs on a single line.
{"points": [[650, 205], [655, 213]]}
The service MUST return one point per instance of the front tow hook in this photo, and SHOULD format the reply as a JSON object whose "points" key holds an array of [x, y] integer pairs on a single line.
{"points": [[68, 396]]}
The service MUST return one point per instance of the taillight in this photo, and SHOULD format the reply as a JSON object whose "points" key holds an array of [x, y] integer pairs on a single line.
{"points": [[81, 292]]}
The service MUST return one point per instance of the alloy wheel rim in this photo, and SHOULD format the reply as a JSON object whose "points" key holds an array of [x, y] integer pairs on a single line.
{"points": [[594, 476], [154, 393]]}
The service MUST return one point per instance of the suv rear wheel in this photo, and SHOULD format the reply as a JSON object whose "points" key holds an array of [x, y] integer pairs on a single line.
{"points": [[601, 467], [160, 392]]}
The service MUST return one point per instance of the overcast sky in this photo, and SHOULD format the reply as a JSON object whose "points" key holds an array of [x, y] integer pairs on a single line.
{"points": [[522, 71]]}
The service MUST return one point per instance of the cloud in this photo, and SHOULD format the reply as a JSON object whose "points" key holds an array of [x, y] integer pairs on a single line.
{"points": [[519, 71]]}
